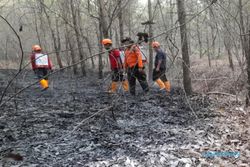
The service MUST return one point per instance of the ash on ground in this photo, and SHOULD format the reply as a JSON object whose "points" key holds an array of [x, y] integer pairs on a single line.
{"points": [[76, 123]]}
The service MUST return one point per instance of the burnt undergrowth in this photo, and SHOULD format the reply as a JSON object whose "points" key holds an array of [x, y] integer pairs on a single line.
{"points": [[76, 123]]}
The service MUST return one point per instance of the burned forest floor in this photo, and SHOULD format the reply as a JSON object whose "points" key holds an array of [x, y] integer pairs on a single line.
{"points": [[76, 123]]}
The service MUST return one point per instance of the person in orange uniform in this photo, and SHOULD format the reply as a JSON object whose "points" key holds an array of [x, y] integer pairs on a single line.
{"points": [[134, 66], [160, 68], [41, 64], [116, 67]]}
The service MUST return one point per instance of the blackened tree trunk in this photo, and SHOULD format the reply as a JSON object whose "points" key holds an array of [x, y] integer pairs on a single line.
{"points": [[56, 42], [70, 44], [90, 49], [228, 45], [248, 69], [103, 19], [150, 66], [242, 30], [104, 33], [184, 43], [78, 35], [120, 18], [245, 41], [36, 28], [199, 36], [208, 50], [100, 63], [69, 36]]}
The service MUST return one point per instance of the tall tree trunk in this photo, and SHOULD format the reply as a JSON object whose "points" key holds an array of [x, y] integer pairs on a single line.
{"points": [[245, 40], [150, 67], [117, 39], [53, 35], [199, 37], [71, 47], [43, 40], [103, 19], [245, 49], [90, 49], [120, 19], [69, 37], [78, 39], [86, 40], [208, 50], [242, 30], [100, 63], [37, 30], [58, 42], [103, 30], [67, 53], [248, 69], [171, 36], [129, 20], [212, 27], [219, 47], [58, 35], [184, 43], [227, 44]]}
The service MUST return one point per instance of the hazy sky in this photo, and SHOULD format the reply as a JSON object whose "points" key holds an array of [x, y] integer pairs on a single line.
{"points": [[143, 1]]}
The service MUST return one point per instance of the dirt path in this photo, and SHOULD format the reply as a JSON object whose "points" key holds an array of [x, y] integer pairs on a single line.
{"points": [[47, 128]]}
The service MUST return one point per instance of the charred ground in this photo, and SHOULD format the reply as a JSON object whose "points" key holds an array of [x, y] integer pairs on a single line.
{"points": [[55, 127]]}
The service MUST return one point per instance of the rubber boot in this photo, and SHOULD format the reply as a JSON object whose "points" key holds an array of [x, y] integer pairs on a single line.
{"points": [[47, 86], [113, 87], [44, 84], [160, 83], [167, 86], [125, 85]]}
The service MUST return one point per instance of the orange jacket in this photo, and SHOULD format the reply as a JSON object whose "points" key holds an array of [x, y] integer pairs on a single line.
{"points": [[133, 57]]}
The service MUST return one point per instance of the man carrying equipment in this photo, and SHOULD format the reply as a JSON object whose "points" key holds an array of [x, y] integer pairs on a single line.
{"points": [[134, 66]]}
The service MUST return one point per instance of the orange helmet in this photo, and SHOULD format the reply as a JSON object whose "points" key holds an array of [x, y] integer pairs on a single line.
{"points": [[106, 41], [36, 48], [155, 44]]}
